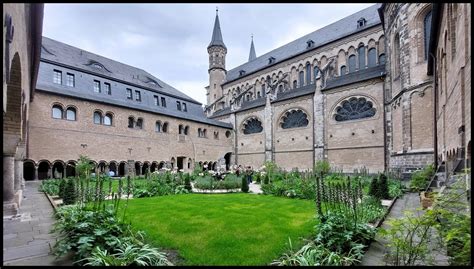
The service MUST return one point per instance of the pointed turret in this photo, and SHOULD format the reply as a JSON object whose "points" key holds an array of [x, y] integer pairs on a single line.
{"points": [[252, 55], [216, 34]]}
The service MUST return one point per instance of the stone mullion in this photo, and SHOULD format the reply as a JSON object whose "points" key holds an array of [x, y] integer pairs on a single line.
{"points": [[406, 122]]}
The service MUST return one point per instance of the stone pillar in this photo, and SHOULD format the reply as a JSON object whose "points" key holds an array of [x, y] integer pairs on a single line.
{"points": [[107, 170], [131, 168], [18, 174], [36, 172], [64, 171], [268, 129], [49, 172], [318, 124], [8, 178]]}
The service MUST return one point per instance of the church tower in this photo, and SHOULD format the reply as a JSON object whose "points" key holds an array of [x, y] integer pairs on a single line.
{"points": [[252, 54], [217, 52]]}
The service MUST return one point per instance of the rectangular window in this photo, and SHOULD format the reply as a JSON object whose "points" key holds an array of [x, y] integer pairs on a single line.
{"points": [[108, 90], [70, 80], [138, 96], [184, 107], [163, 102], [97, 86], [178, 105], [57, 78], [129, 94], [157, 103]]}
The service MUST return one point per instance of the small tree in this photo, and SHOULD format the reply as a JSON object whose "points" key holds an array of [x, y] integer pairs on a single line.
{"points": [[322, 167], [187, 183], [70, 195], [245, 185], [383, 187], [373, 188], [62, 188]]}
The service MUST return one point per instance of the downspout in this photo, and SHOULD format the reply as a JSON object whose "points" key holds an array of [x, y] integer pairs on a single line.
{"points": [[435, 111]]}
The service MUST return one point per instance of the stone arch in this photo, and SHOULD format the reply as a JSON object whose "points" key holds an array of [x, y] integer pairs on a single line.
{"points": [[145, 167], [13, 115], [29, 169], [113, 167], [161, 165], [138, 168], [205, 166], [288, 115], [341, 57], [57, 169], [366, 108], [251, 124], [154, 166], [371, 43], [71, 168], [420, 108], [419, 31], [43, 169], [101, 167], [94, 166], [122, 169]]}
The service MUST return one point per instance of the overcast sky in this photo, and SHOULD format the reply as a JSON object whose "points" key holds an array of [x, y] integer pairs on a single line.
{"points": [[170, 40]]}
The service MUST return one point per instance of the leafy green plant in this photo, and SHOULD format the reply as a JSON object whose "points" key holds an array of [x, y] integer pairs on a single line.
{"points": [[322, 166], [420, 179], [50, 186], [374, 188], [245, 185], [70, 194], [383, 187], [62, 188]]}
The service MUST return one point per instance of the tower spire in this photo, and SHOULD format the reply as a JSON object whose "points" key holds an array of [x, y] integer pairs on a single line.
{"points": [[252, 55], [216, 33]]}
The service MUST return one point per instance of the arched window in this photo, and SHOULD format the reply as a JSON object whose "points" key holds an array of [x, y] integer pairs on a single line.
{"points": [[180, 129], [280, 88], [227, 134], [316, 72], [252, 126], [382, 58], [57, 112], [427, 30], [361, 53], [354, 108], [294, 119], [139, 123], [396, 55], [372, 57], [131, 122], [263, 89], [204, 133], [97, 117], [343, 70], [308, 74], [108, 119], [186, 130], [301, 78], [352, 63], [71, 113], [158, 126], [165, 127], [295, 84]]}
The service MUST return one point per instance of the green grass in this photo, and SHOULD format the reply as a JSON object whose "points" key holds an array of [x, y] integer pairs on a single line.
{"points": [[223, 229]]}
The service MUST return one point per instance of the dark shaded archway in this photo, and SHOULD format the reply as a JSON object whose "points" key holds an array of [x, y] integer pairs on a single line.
{"points": [[227, 157], [180, 163], [43, 169], [28, 170], [121, 169], [137, 168], [58, 169], [145, 167], [71, 169], [101, 167], [161, 165], [113, 168], [153, 167]]}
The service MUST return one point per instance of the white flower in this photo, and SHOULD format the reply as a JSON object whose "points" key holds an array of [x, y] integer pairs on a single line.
{"points": [[181, 170], [205, 166], [201, 174], [231, 172]]}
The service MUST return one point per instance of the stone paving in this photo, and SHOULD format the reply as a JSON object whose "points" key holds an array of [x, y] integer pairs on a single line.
{"points": [[375, 255], [26, 236]]}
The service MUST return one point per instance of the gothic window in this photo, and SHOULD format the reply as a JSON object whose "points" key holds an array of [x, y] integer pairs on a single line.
{"points": [[57, 112], [227, 134], [396, 55], [354, 108], [371, 56], [308, 74], [163, 102], [352, 63], [130, 122], [71, 113], [361, 51], [180, 129], [186, 130], [295, 84], [301, 78], [280, 88], [97, 117], [382, 58], [165, 127], [108, 119], [294, 119], [252, 126], [316, 72], [343, 70], [427, 29]]}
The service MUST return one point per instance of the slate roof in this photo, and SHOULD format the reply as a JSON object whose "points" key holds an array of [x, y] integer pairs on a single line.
{"points": [[58, 53], [344, 27], [66, 54], [361, 75], [216, 39]]}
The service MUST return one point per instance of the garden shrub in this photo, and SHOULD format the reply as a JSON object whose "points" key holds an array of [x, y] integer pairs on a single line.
{"points": [[70, 194], [374, 188], [50, 186], [187, 183], [322, 167], [420, 179], [62, 188], [383, 187], [245, 185]]}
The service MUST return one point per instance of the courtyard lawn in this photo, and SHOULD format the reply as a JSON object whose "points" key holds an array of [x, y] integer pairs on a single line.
{"points": [[223, 229]]}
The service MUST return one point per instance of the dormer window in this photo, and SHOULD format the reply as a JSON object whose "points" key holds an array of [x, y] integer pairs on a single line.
{"points": [[241, 73], [271, 60], [152, 83], [310, 43], [361, 22], [96, 65]]}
